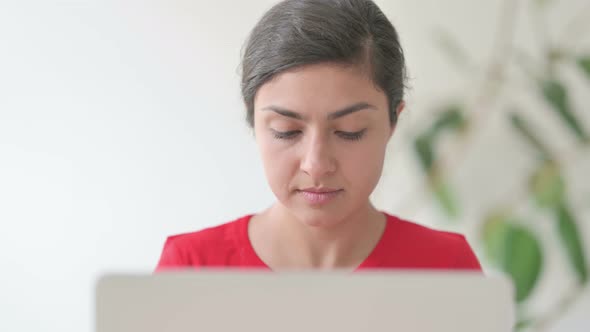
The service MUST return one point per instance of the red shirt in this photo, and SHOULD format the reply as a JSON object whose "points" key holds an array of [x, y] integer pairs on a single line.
{"points": [[403, 245]]}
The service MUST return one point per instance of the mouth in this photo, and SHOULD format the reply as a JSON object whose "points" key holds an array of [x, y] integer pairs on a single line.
{"points": [[319, 196], [320, 190]]}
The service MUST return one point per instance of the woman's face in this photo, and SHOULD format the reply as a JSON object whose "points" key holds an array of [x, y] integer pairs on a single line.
{"points": [[322, 132]]}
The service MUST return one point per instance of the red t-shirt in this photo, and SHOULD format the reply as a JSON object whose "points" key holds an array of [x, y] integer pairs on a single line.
{"points": [[403, 245]]}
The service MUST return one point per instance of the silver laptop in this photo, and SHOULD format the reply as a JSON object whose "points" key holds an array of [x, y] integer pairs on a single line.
{"points": [[230, 301]]}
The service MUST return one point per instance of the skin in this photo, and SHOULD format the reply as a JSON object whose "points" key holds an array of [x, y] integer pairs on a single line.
{"points": [[320, 127]]}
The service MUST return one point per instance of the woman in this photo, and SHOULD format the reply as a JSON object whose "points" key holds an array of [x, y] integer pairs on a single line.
{"points": [[323, 84]]}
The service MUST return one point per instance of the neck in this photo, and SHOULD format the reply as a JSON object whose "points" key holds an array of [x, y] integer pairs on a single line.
{"points": [[343, 245]]}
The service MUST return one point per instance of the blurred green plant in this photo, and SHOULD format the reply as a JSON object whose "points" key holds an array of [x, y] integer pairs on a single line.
{"points": [[509, 242]]}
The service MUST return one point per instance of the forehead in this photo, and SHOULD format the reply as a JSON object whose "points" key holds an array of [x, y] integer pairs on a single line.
{"points": [[320, 88]]}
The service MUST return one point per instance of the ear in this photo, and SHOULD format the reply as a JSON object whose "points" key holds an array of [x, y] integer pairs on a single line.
{"points": [[400, 108], [398, 111]]}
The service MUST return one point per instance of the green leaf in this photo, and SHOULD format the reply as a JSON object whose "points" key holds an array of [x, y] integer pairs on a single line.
{"points": [[516, 251], [451, 118], [556, 95], [423, 148], [570, 238], [494, 236], [584, 64], [525, 130], [445, 198], [523, 261], [523, 323], [547, 185]]}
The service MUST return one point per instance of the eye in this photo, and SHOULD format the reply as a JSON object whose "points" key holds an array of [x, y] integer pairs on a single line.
{"points": [[351, 136], [285, 134]]}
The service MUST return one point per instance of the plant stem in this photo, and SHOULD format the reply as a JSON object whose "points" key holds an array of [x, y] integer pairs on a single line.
{"points": [[481, 105]]}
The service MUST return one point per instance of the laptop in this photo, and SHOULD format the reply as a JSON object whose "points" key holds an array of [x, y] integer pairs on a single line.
{"points": [[230, 301]]}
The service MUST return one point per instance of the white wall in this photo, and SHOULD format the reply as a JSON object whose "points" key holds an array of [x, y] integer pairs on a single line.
{"points": [[121, 123]]}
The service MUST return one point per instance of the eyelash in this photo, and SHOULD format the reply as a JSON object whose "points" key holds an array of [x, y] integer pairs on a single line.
{"points": [[350, 136]]}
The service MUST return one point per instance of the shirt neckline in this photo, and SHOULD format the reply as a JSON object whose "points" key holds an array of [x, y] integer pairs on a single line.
{"points": [[372, 260]]}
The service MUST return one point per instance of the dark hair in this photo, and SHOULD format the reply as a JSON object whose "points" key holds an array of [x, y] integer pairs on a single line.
{"points": [[301, 32]]}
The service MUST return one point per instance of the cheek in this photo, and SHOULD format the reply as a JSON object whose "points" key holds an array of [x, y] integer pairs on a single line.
{"points": [[279, 163], [362, 166]]}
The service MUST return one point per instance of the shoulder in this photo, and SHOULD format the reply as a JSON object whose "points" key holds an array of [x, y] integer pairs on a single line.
{"points": [[430, 247], [211, 236], [422, 234], [203, 247]]}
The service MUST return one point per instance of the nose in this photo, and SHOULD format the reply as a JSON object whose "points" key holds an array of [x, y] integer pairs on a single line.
{"points": [[317, 160]]}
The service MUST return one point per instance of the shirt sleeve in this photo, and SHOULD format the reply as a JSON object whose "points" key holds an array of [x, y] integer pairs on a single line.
{"points": [[466, 258], [171, 257]]}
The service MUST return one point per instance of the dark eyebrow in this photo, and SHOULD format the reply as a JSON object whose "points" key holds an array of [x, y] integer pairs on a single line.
{"points": [[351, 109], [283, 112], [335, 115]]}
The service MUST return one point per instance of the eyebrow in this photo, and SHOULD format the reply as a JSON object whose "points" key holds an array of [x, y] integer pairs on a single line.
{"points": [[334, 115]]}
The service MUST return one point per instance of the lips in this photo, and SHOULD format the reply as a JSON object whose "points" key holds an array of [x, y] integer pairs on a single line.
{"points": [[316, 190], [318, 196]]}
